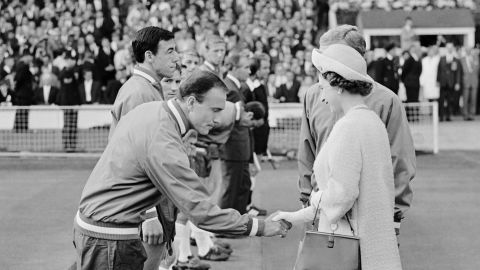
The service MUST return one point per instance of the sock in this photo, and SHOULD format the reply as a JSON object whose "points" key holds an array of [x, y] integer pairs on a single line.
{"points": [[204, 242], [183, 239]]}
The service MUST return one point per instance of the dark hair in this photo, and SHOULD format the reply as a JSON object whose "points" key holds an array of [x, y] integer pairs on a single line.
{"points": [[147, 39], [390, 46], [232, 60], [256, 108], [199, 83], [352, 86], [254, 65]]}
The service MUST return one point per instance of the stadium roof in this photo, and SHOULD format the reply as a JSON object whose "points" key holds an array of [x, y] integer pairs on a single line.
{"points": [[448, 18]]}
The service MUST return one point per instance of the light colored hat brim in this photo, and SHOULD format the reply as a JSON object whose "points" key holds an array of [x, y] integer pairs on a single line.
{"points": [[324, 63]]}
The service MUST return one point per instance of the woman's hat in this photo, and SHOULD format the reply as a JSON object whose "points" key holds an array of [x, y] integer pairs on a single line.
{"points": [[343, 60]]}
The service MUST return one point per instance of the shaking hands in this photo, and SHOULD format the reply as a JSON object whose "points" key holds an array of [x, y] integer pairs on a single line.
{"points": [[276, 227]]}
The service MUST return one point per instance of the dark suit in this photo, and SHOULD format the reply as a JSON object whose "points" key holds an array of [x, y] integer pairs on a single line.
{"points": [[387, 73], [22, 95], [260, 134], [289, 93], [235, 154], [40, 97], [411, 78], [449, 74], [68, 96], [101, 62], [470, 68], [113, 86], [95, 93]]}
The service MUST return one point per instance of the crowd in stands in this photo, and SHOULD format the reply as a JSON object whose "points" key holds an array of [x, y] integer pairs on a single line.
{"points": [[68, 52], [401, 4]]}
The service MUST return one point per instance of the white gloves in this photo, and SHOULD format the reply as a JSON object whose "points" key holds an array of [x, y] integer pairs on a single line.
{"points": [[301, 216]]}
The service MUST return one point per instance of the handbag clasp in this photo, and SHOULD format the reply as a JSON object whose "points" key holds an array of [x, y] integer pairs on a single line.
{"points": [[331, 241]]}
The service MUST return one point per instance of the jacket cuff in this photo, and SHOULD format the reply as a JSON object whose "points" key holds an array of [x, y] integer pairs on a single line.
{"points": [[255, 227], [151, 213]]}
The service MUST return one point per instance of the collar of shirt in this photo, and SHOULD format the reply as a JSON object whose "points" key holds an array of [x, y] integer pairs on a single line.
{"points": [[252, 84], [449, 58], [389, 57], [46, 92], [210, 66], [149, 76], [176, 111], [414, 56], [234, 80]]}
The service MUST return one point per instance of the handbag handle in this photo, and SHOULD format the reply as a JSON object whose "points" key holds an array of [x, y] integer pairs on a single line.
{"points": [[315, 226]]}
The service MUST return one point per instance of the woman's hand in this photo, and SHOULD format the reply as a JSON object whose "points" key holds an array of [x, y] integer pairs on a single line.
{"points": [[292, 218]]}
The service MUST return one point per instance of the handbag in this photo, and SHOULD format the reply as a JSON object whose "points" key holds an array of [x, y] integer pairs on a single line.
{"points": [[328, 251]]}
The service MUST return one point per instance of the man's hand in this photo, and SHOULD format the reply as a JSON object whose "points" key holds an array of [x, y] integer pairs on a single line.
{"points": [[273, 228], [457, 86], [152, 232]]}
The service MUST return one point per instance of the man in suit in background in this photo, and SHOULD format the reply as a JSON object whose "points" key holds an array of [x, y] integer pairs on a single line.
{"points": [[412, 68], [449, 77], [288, 92], [236, 153], [113, 86], [90, 91], [470, 67], [387, 69], [104, 63], [47, 93], [68, 96]]}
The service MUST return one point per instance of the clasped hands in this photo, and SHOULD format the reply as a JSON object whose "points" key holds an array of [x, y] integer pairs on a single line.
{"points": [[276, 227]]}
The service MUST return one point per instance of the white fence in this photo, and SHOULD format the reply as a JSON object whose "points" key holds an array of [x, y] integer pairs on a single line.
{"points": [[54, 130]]}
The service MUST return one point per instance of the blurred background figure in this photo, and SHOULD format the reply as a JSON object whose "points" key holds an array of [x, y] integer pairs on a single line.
{"points": [[428, 79], [449, 78], [387, 69], [470, 68], [47, 92]]}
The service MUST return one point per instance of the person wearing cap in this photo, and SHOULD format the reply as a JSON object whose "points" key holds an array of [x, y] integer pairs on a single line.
{"points": [[318, 120], [353, 169], [145, 164]]}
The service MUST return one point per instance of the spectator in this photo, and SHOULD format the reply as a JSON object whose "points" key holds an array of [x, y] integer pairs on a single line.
{"points": [[408, 35], [411, 71], [470, 67], [288, 91], [428, 78], [90, 90], [113, 86], [449, 79], [307, 82], [105, 69], [387, 69], [5, 93], [47, 93], [68, 96]]}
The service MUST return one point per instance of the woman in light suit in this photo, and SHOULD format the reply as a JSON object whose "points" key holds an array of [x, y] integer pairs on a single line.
{"points": [[353, 169]]}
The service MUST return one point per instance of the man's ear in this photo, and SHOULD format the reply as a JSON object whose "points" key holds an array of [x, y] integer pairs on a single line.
{"points": [[148, 56], [190, 101]]}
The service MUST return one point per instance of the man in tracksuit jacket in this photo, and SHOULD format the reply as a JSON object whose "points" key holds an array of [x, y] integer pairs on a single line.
{"points": [[156, 57], [145, 164]]}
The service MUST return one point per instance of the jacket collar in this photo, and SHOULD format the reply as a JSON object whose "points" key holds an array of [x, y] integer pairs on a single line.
{"points": [[177, 113], [209, 66], [147, 74], [234, 80]]}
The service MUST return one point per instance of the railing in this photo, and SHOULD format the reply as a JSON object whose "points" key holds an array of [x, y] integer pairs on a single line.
{"points": [[53, 130]]}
